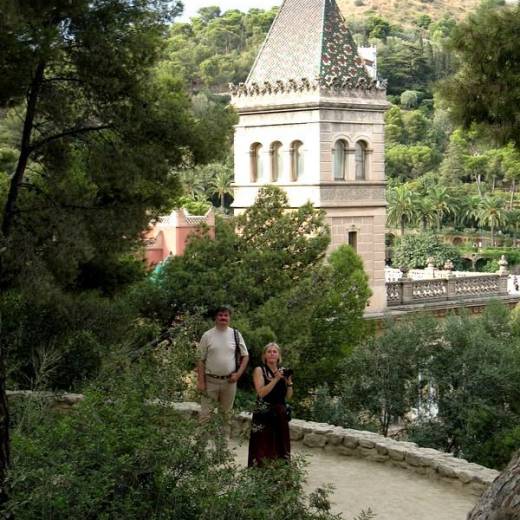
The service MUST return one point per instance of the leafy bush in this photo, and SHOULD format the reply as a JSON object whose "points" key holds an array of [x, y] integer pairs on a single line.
{"points": [[274, 249], [118, 456], [411, 98], [325, 408], [413, 252], [454, 384], [74, 331]]}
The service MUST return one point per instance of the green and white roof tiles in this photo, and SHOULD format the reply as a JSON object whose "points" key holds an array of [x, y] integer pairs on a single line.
{"points": [[308, 46]]}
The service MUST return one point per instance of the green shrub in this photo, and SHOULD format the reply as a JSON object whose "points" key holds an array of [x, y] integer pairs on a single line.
{"points": [[116, 456], [413, 252], [60, 334]]}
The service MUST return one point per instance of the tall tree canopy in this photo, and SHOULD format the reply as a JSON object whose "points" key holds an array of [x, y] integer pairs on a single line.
{"points": [[93, 129], [100, 130], [486, 89]]}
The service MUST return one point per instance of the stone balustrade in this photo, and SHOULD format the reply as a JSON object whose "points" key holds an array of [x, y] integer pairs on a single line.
{"points": [[395, 275], [429, 463], [407, 291], [430, 285]]}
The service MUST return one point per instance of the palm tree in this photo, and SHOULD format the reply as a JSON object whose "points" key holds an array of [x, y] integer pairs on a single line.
{"points": [[441, 202], [513, 222], [402, 206], [491, 214], [426, 215], [467, 209], [192, 182], [220, 183]]}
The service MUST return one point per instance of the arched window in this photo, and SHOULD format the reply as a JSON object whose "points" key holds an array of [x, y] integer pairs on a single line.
{"points": [[256, 162], [297, 160], [340, 160], [361, 160], [276, 161]]}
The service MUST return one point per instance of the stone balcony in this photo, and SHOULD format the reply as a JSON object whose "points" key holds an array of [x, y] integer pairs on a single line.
{"points": [[431, 285]]}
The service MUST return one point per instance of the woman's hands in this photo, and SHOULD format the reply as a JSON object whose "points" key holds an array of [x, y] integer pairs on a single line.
{"points": [[278, 375]]}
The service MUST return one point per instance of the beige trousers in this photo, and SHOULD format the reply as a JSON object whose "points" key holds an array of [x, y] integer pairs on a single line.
{"points": [[219, 392]]}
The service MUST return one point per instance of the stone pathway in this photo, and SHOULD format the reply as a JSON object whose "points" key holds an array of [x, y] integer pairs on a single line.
{"points": [[391, 493]]}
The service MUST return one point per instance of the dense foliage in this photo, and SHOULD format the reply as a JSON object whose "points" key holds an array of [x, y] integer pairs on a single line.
{"points": [[120, 454], [453, 385], [415, 252], [270, 272]]}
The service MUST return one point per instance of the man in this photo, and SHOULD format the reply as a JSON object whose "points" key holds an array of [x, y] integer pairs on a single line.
{"points": [[217, 371]]}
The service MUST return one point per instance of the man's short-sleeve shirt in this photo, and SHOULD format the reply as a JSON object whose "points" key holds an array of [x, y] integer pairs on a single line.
{"points": [[217, 350]]}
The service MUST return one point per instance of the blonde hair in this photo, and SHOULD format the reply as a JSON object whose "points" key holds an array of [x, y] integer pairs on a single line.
{"points": [[268, 346]]}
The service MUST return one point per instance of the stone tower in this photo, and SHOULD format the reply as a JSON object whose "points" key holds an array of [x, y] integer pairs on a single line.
{"points": [[312, 122]]}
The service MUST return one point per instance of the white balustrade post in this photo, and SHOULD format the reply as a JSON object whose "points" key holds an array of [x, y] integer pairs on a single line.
{"points": [[503, 272], [429, 272]]}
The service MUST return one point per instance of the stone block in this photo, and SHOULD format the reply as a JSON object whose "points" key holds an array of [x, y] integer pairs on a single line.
{"points": [[396, 453], [296, 433], [347, 452], [381, 448], [464, 476], [314, 440], [366, 452], [415, 459], [399, 464], [350, 441], [367, 443], [476, 489], [406, 444], [446, 470], [334, 439], [378, 458]]}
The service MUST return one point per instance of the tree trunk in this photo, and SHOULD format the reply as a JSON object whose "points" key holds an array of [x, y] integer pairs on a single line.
{"points": [[402, 226], [25, 151], [4, 432], [512, 199], [501, 501], [479, 180], [7, 225]]}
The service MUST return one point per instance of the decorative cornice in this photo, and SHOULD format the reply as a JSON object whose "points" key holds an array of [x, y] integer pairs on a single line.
{"points": [[328, 85]]}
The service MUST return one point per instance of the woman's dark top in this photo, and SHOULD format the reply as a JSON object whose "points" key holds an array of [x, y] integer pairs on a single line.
{"points": [[270, 432], [278, 393]]}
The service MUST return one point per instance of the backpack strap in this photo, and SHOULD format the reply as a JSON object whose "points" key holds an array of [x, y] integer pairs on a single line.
{"points": [[238, 355]]}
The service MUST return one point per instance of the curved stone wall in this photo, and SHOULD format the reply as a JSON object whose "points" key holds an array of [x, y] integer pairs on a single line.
{"points": [[430, 463], [345, 442]]}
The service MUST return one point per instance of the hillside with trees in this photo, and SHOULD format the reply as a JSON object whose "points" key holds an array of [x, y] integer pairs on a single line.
{"points": [[407, 13]]}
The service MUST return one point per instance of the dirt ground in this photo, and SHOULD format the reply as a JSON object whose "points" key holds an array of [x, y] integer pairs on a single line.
{"points": [[391, 493]]}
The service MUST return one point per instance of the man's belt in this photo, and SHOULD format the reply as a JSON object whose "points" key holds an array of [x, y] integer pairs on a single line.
{"points": [[218, 377]]}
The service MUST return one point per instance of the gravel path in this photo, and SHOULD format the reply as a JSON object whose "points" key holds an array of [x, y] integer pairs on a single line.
{"points": [[391, 493]]}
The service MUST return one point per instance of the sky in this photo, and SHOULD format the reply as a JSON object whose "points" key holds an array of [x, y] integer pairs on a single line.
{"points": [[192, 6]]}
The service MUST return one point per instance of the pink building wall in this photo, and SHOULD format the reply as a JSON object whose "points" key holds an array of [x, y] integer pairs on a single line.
{"points": [[170, 234]]}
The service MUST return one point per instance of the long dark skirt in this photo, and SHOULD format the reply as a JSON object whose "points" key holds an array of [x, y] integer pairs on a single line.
{"points": [[270, 441]]}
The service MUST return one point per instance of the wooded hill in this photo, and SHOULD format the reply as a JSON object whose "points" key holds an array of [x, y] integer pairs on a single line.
{"points": [[407, 12]]}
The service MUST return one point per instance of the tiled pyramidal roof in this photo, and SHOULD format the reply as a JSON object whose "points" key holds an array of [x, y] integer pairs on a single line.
{"points": [[309, 46]]}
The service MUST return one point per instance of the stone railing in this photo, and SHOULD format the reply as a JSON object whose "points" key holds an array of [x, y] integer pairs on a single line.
{"points": [[394, 275], [429, 463], [345, 442], [407, 291], [429, 285]]}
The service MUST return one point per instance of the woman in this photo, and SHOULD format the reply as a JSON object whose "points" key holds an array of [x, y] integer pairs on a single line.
{"points": [[270, 424]]}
